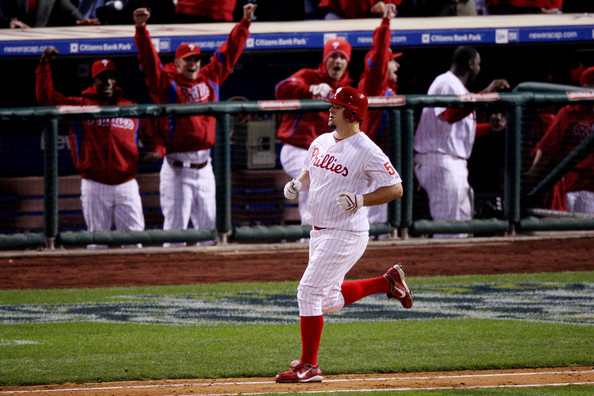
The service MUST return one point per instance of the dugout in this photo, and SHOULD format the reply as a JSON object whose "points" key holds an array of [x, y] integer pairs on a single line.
{"points": [[516, 47], [519, 48]]}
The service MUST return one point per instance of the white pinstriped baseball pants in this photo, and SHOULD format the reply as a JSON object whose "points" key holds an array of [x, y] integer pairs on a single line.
{"points": [[103, 204], [186, 194], [332, 253], [445, 179]]}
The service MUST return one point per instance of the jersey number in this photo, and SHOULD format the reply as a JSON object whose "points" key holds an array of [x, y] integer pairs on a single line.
{"points": [[389, 168]]}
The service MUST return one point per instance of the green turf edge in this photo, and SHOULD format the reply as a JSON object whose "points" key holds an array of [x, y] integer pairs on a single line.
{"points": [[98, 352]]}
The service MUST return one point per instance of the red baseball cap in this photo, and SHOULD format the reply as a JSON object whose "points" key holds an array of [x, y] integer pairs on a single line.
{"points": [[102, 65], [187, 49], [394, 55], [337, 46]]}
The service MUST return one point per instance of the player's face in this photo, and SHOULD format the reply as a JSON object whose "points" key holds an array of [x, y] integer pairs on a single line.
{"points": [[106, 84], [336, 65], [335, 117], [393, 67], [189, 66]]}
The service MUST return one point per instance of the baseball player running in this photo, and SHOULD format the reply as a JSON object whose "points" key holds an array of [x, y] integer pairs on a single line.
{"points": [[105, 151], [340, 168], [187, 186]]}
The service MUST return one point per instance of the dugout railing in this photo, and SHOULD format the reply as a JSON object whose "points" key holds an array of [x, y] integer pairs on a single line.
{"points": [[402, 110]]}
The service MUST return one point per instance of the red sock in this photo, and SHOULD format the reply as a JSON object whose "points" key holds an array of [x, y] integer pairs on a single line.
{"points": [[311, 335], [355, 290]]}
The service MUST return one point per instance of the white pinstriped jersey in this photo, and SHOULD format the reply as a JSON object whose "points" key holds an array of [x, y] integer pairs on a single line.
{"points": [[435, 135], [349, 165]]}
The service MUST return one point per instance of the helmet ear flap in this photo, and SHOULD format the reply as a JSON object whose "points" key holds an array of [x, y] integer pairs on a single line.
{"points": [[350, 114]]}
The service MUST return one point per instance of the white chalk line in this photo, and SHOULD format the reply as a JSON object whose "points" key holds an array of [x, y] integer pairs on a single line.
{"points": [[394, 389], [400, 378]]}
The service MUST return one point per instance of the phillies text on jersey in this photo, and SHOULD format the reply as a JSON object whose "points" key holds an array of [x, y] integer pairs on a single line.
{"points": [[352, 165]]}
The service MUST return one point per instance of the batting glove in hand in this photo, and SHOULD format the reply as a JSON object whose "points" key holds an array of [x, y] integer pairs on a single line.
{"points": [[349, 202], [320, 91], [292, 188]]}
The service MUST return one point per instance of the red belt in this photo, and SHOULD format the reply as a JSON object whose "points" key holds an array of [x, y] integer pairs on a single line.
{"points": [[179, 164], [318, 228]]}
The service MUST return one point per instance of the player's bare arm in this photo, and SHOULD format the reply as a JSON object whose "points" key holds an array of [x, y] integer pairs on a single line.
{"points": [[383, 195], [496, 86], [351, 202]]}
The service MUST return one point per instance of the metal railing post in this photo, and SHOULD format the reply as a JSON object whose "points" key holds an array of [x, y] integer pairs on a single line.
{"points": [[394, 153], [50, 197], [407, 175], [513, 167], [222, 166]]}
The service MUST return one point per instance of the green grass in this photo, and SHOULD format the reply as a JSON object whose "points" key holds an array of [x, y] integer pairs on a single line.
{"points": [[89, 352]]}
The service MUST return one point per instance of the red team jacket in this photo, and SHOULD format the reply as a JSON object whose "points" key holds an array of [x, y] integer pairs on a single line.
{"points": [[350, 9], [374, 82], [103, 150], [571, 126], [300, 129], [216, 9], [548, 4], [197, 132]]}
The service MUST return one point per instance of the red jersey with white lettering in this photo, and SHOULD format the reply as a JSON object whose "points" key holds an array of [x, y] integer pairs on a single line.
{"points": [[300, 129], [354, 164], [570, 127], [197, 132], [374, 82], [103, 150]]}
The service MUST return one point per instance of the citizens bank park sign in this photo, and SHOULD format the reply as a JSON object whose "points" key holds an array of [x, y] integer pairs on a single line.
{"points": [[34, 46]]}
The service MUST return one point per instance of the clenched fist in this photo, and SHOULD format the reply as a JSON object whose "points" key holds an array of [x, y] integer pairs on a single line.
{"points": [[292, 189], [349, 202], [320, 91]]}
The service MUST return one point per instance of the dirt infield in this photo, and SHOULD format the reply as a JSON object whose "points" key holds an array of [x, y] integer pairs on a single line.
{"points": [[280, 262], [156, 266], [332, 383]]}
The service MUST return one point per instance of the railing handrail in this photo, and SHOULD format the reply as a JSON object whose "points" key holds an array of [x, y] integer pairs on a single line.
{"points": [[237, 107]]}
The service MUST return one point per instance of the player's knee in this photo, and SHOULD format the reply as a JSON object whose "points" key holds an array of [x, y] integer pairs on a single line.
{"points": [[334, 304]]}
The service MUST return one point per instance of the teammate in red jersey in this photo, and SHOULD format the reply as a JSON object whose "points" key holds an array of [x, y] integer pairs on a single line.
{"points": [[379, 78], [105, 151], [570, 127], [187, 187]]}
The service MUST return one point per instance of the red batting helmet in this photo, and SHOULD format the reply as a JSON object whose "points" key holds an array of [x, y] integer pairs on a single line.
{"points": [[353, 100]]}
